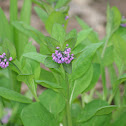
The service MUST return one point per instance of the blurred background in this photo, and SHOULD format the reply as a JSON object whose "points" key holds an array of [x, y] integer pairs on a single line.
{"points": [[93, 12]]}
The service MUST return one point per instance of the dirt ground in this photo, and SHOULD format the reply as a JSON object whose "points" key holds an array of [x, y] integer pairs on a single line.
{"points": [[93, 12]]}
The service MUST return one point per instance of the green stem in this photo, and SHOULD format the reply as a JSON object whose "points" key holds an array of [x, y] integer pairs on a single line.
{"points": [[68, 105], [103, 52]]}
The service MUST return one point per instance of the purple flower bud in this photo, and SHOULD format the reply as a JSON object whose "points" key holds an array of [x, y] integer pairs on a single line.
{"points": [[53, 55], [66, 17], [10, 59], [4, 120], [59, 61], [5, 60], [63, 25], [67, 44], [57, 47], [56, 51], [4, 54]]}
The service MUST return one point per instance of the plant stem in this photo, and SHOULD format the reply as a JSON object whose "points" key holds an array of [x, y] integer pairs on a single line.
{"points": [[103, 52], [68, 105]]}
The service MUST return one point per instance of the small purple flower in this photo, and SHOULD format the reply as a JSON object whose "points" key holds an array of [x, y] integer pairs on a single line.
{"points": [[6, 117], [63, 25], [63, 56], [123, 24], [57, 47], [67, 17], [4, 61]]}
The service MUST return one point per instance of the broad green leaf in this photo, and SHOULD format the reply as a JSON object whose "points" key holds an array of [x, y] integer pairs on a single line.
{"points": [[54, 17], [58, 33], [71, 42], [29, 31], [79, 48], [41, 13], [108, 58], [96, 75], [120, 121], [52, 101], [96, 107], [113, 20], [47, 75], [71, 34], [103, 120], [37, 115], [14, 96], [48, 84], [67, 67], [35, 56], [61, 3], [51, 43], [9, 49], [80, 84], [50, 63], [29, 80], [93, 36], [35, 66], [83, 62], [48, 8], [82, 35], [119, 42]]}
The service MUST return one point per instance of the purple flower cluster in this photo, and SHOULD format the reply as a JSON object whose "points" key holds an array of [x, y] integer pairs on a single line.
{"points": [[63, 56], [4, 62]]}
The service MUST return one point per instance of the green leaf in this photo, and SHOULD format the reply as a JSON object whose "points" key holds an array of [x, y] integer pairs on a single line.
{"points": [[29, 31], [96, 75], [51, 43], [96, 107], [103, 120], [82, 35], [67, 67], [83, 62], [41, 13], [54, 17], [29, 80], [47, 75], [121, 120], [52, 101], [48, 84], [119, 42], [44, 6], [25, 16], [34, 65], [36, 115], [5, 28], [71, 42], [113, 20], [93, 36], [9, 49], [108, 58], [50, 63], [58, 33], [61, 3], [14, 96], [80, 84], [71, 34], [35, 56]]}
